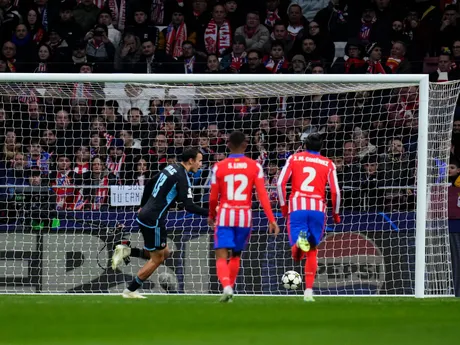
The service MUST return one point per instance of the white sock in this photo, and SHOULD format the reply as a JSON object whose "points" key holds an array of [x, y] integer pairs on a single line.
{"points": [[308, 292]]}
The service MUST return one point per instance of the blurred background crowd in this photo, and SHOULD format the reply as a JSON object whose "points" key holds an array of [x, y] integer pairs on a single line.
{"points": [[83, 139]]}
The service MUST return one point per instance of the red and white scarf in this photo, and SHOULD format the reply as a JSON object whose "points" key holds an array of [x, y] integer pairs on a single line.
{"points": [[118, 14], [217, 39], [98, 200], [365, 31], [237, 62], [11, 65], [82, 91], [293, 31], [375, 68], [115, 167], [175, 38], [355, 62], [442, 76], [394, 63], [65, 197], [274, 66], [272, 17], [81, 168]]}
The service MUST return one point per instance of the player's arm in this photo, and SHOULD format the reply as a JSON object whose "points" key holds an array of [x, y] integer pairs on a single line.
{"points": [[148, 189], [185, 196], [284, 177], [259, 182], [335, 193], [214, 194]]}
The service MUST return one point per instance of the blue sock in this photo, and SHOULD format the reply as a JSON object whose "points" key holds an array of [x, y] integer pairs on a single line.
{"points": [[135, 284]]}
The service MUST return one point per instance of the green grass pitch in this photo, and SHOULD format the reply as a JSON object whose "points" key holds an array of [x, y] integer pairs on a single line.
{"points": [[201, 320]]}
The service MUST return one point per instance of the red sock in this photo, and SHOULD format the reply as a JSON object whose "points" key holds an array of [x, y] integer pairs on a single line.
{"points": [[233, 268], [297, 253], [223, 272], [311, 265]]}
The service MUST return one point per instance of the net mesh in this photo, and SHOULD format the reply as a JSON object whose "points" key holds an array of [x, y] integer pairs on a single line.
{"points": [[77, 155]]}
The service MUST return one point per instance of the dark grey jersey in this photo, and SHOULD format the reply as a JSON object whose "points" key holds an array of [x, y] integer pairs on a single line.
{"points": [[170, 185]]}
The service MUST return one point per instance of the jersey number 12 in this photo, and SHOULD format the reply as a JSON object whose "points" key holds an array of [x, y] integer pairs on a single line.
{"points": [[237, 194]]}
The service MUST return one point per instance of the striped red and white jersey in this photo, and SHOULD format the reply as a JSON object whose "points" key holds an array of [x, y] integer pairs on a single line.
{"points": [[232, 183], [309, 173], [234, 217]]}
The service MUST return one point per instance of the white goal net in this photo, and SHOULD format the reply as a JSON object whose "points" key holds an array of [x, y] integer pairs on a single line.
{"points": [[76, 155]]}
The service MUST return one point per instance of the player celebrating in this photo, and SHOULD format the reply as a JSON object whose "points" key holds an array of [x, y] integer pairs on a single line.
{"points": [[233, 180], [309, 173], [171, 184]]}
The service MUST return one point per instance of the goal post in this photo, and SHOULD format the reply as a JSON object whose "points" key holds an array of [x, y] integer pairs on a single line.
{"points": [[394, 240]]}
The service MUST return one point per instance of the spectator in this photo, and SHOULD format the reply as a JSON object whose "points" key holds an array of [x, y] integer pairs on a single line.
{"points": [[142, 29], [218, 33], [26, 49], [136, 98], [34, 26], [363, 146], [105, 17], [352, 61], [158, 153], [60, 48], [37, 158], [309, 51], [298, 64], [49, 142], [98, 177], [255, 34], [444, 71], [279, 34], [454, 172], [365, 27], [317, 68], [152, 61], [141, 175], [254, 65], [334, 19], [233, 61], [44, 60], [9, 55], [276, 62], [212, 64], [198, 20], [234, 15], [297, 22], [128, 53], [85, 14], [310, 8], [175, 34], [369, 181], [100, 50], [113, 121], [333, 136], [69, 29], [82, 158], [10, 147], [190, 62], [273, 15], [11, 18], [63, 179], [450, 28], [397, 61], [325, 45], [374, 64]]}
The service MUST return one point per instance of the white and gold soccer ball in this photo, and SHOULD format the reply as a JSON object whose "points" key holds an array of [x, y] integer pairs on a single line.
{"points": [[291, 280]]}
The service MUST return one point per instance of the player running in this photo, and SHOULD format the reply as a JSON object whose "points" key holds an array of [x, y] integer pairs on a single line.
{"points": [[170, 185], [233, 180], [309, 173]]}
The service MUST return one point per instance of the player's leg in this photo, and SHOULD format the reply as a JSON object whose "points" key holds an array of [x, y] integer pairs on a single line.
{"points": [[223, 241], [297, 227], [241, 238], [155, 244], [316, 223]]}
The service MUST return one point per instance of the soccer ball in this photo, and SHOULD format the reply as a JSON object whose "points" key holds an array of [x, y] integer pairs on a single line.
{"points": [[291, 280]]}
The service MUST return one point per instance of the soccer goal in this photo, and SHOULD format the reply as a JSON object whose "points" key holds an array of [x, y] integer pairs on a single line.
{"points": [[78, 149]]}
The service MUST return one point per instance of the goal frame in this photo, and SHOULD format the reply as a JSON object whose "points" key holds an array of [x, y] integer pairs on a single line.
{"points": [[422, 152]]}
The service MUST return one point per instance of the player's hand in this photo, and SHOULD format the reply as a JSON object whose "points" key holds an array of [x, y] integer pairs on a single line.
{"points": [[211, 222], [336, 218], [273, 228], [284, 211]]}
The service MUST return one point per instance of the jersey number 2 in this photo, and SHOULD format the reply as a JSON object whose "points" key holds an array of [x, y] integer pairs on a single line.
{"points": [[237, 194], [305, 187]]}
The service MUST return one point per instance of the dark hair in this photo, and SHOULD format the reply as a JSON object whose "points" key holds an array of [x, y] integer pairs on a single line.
{"points": [[454, 161], [188, 42], [314, 142], [258, 52], [189, 153], [236, 139], [277, 43], [279, 23]]}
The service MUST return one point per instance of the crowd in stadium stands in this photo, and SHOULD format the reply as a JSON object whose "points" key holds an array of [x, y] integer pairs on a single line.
{"points": [[87, 140]]}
